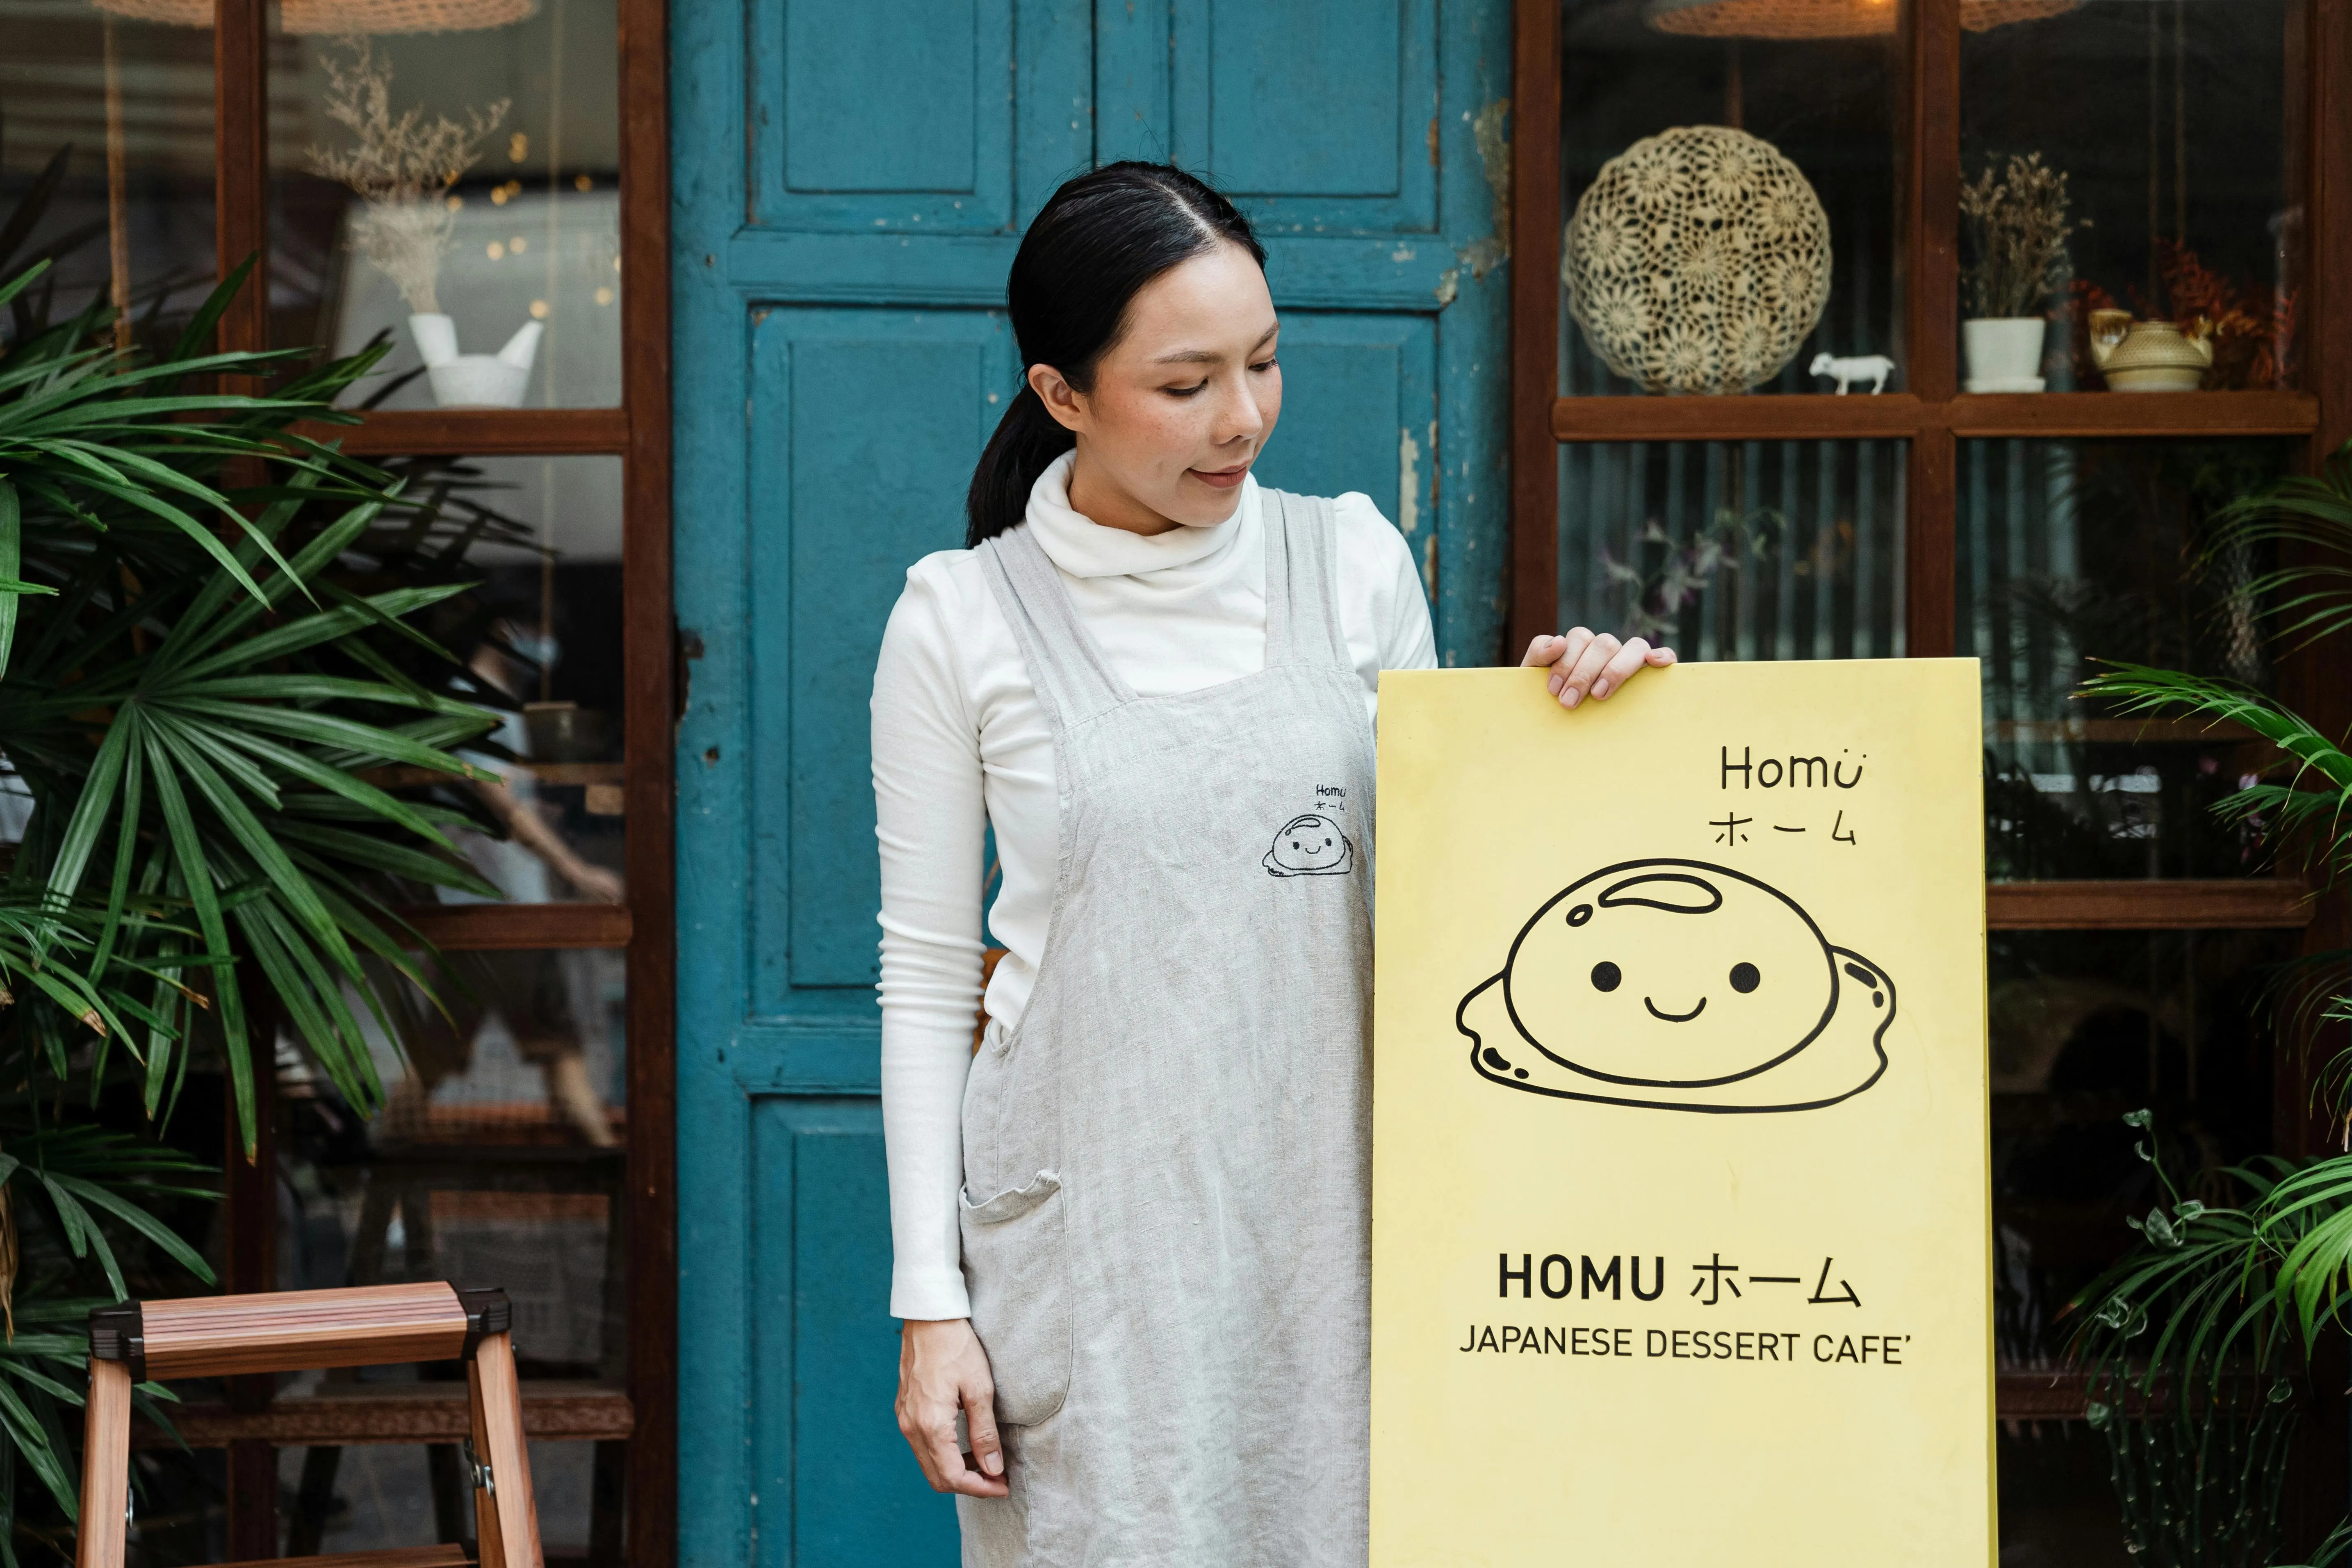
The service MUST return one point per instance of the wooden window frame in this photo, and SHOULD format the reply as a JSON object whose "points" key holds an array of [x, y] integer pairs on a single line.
{"points": [[638, 433], [1933, 416]]}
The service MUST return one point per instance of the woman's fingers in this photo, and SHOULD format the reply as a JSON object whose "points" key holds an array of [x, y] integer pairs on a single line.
{"points": [[987, 1449], [1628, 662], [942, 1370], [1572, 679], [1573, 647]]}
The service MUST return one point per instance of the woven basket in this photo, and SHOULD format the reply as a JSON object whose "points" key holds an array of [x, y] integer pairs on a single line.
{"points": [[1699, 260]]}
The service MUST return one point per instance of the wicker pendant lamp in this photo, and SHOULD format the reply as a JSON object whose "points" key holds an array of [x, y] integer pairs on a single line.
{"points": [[1826, 18], [341, 18]]}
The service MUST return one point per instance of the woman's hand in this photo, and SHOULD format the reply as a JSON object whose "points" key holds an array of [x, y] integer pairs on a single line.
{"points": [[1587, 663], [942, 1370]]}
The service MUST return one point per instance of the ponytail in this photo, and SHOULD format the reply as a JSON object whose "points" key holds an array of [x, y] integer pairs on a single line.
{"points": [[1026, 442], [1096, 242]]}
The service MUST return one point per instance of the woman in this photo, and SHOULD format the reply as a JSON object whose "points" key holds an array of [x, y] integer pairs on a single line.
{"points": [[1130, 1227]]}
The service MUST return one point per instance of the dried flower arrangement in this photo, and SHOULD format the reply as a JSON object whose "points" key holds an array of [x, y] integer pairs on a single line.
{"points": [[402, 168], [2252, 325], [2018, 226]]}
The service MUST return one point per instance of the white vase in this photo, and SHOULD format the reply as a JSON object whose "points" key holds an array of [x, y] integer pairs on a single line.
{"points": [[474, 381], [2004, 353]]}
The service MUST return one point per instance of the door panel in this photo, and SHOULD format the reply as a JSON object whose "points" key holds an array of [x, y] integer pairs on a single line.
{"points": [[864, 428], [1359, 408], [849, 183], [1315, 111], [827, 1358]]}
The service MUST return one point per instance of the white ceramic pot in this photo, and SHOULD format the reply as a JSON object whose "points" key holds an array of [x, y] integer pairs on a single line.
{"points": [[2004, 353], [474, 381]]}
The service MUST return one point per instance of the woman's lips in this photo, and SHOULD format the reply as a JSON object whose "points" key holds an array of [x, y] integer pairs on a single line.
{"points": [[1222, 478]]}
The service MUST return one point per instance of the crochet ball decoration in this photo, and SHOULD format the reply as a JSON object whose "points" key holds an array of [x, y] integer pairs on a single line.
{"points": [[1699, 260]]}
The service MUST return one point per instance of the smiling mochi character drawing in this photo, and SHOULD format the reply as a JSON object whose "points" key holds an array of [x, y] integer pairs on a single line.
{"points": [[1679, 985], [1310, 846]]}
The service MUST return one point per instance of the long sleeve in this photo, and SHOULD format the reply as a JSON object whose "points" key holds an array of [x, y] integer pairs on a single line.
{"points": [[929, 821]]}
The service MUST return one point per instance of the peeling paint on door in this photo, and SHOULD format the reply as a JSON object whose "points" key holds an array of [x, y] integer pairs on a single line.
{"points": [[1408, 483], [1494, 142]]}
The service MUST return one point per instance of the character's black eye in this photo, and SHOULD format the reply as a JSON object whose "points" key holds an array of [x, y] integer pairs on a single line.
{"points": [[1605, 975], [1327, 844], [1579, 915], [1744, 978]]}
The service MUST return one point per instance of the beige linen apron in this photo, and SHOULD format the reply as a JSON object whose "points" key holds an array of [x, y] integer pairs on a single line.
{"points": [[1166, 1165]]}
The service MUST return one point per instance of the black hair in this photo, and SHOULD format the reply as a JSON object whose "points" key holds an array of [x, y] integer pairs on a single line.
{"points": [[1098, 240]]}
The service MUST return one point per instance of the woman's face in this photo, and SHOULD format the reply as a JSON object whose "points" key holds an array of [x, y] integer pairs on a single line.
{"points": [[1183, 403]]}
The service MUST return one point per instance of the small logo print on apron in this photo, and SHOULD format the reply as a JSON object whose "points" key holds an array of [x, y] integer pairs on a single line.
{"points": [[1310, 846]]}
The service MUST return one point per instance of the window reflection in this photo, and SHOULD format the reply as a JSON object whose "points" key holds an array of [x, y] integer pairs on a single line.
{"points": [[2086, 1026], [456, 187], [2074, 552], [1736, 549], [2172, 123], [107, 158]]}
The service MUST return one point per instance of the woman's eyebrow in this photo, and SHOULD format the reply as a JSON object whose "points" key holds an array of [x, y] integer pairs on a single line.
{"points": [[1210, 356]]}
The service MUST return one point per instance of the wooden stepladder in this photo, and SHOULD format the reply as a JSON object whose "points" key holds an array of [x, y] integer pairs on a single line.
{"points": [[300, 1331]]}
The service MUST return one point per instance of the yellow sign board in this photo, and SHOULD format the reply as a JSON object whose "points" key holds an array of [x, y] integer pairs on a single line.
{"points": [[1681, 1234]]}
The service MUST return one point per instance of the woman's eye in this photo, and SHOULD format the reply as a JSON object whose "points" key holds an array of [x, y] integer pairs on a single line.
{"points": [[1265, 364], [1185, 391]]}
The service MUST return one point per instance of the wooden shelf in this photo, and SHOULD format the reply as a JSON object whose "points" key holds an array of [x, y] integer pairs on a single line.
{"points": [[2135, 732], [344, 1413], [2113, 414], [457, 928], [2021, 1394], [1814, 416], [2275, 903], [2062, 1393], [1804, 416], [479, 432]]}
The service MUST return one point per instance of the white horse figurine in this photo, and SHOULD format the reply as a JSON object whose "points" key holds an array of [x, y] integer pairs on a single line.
{"points": [[1872, 368]]}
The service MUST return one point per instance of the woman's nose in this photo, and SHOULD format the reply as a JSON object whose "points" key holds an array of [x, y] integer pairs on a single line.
{"points": [[1240, 419]]}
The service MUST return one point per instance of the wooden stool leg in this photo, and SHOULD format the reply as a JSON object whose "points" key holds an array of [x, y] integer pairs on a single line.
{"points": [[508, 1518], [453, 1493], [105, 1466], [315, 1501]]}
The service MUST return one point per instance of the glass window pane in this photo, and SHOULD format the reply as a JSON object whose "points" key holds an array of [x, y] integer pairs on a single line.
{"points": [[380, 1496], [519, 249], [2172, 120], [539, 634], [494, 1161], [124, 92], [1736, 549], [1706, 276], [2074, 552], [2086, 1026]]}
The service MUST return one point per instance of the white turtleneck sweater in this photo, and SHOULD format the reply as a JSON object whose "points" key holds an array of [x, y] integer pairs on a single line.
{"points": [[960, 744]]}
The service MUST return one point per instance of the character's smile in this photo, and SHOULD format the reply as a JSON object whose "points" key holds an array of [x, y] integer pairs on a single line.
{"points": [[1674, 1018]]}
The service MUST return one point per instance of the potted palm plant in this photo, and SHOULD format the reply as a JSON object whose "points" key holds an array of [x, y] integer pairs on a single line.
{"points": [[2194, 1342], [212, 690]]}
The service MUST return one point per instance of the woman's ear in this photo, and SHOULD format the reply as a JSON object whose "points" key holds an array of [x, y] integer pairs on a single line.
{"points": [[1065, 403]]}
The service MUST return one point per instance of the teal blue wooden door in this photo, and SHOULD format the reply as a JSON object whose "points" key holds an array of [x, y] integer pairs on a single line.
{"points": [[850, 183]]}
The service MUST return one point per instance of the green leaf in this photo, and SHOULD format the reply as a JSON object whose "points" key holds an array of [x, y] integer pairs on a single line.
{"points": [[12, 561], [138, 1219], [196, 873]]}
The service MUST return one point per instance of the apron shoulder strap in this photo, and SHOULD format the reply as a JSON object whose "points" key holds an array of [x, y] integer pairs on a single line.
{"points": [[1074, 679], [1302, 581]]}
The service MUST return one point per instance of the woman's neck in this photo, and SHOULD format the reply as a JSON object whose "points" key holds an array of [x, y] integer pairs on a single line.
{"points": [[1094, 497]]}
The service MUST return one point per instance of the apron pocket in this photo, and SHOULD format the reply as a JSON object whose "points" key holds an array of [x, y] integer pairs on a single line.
{"points": [[1014, 1267]]}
